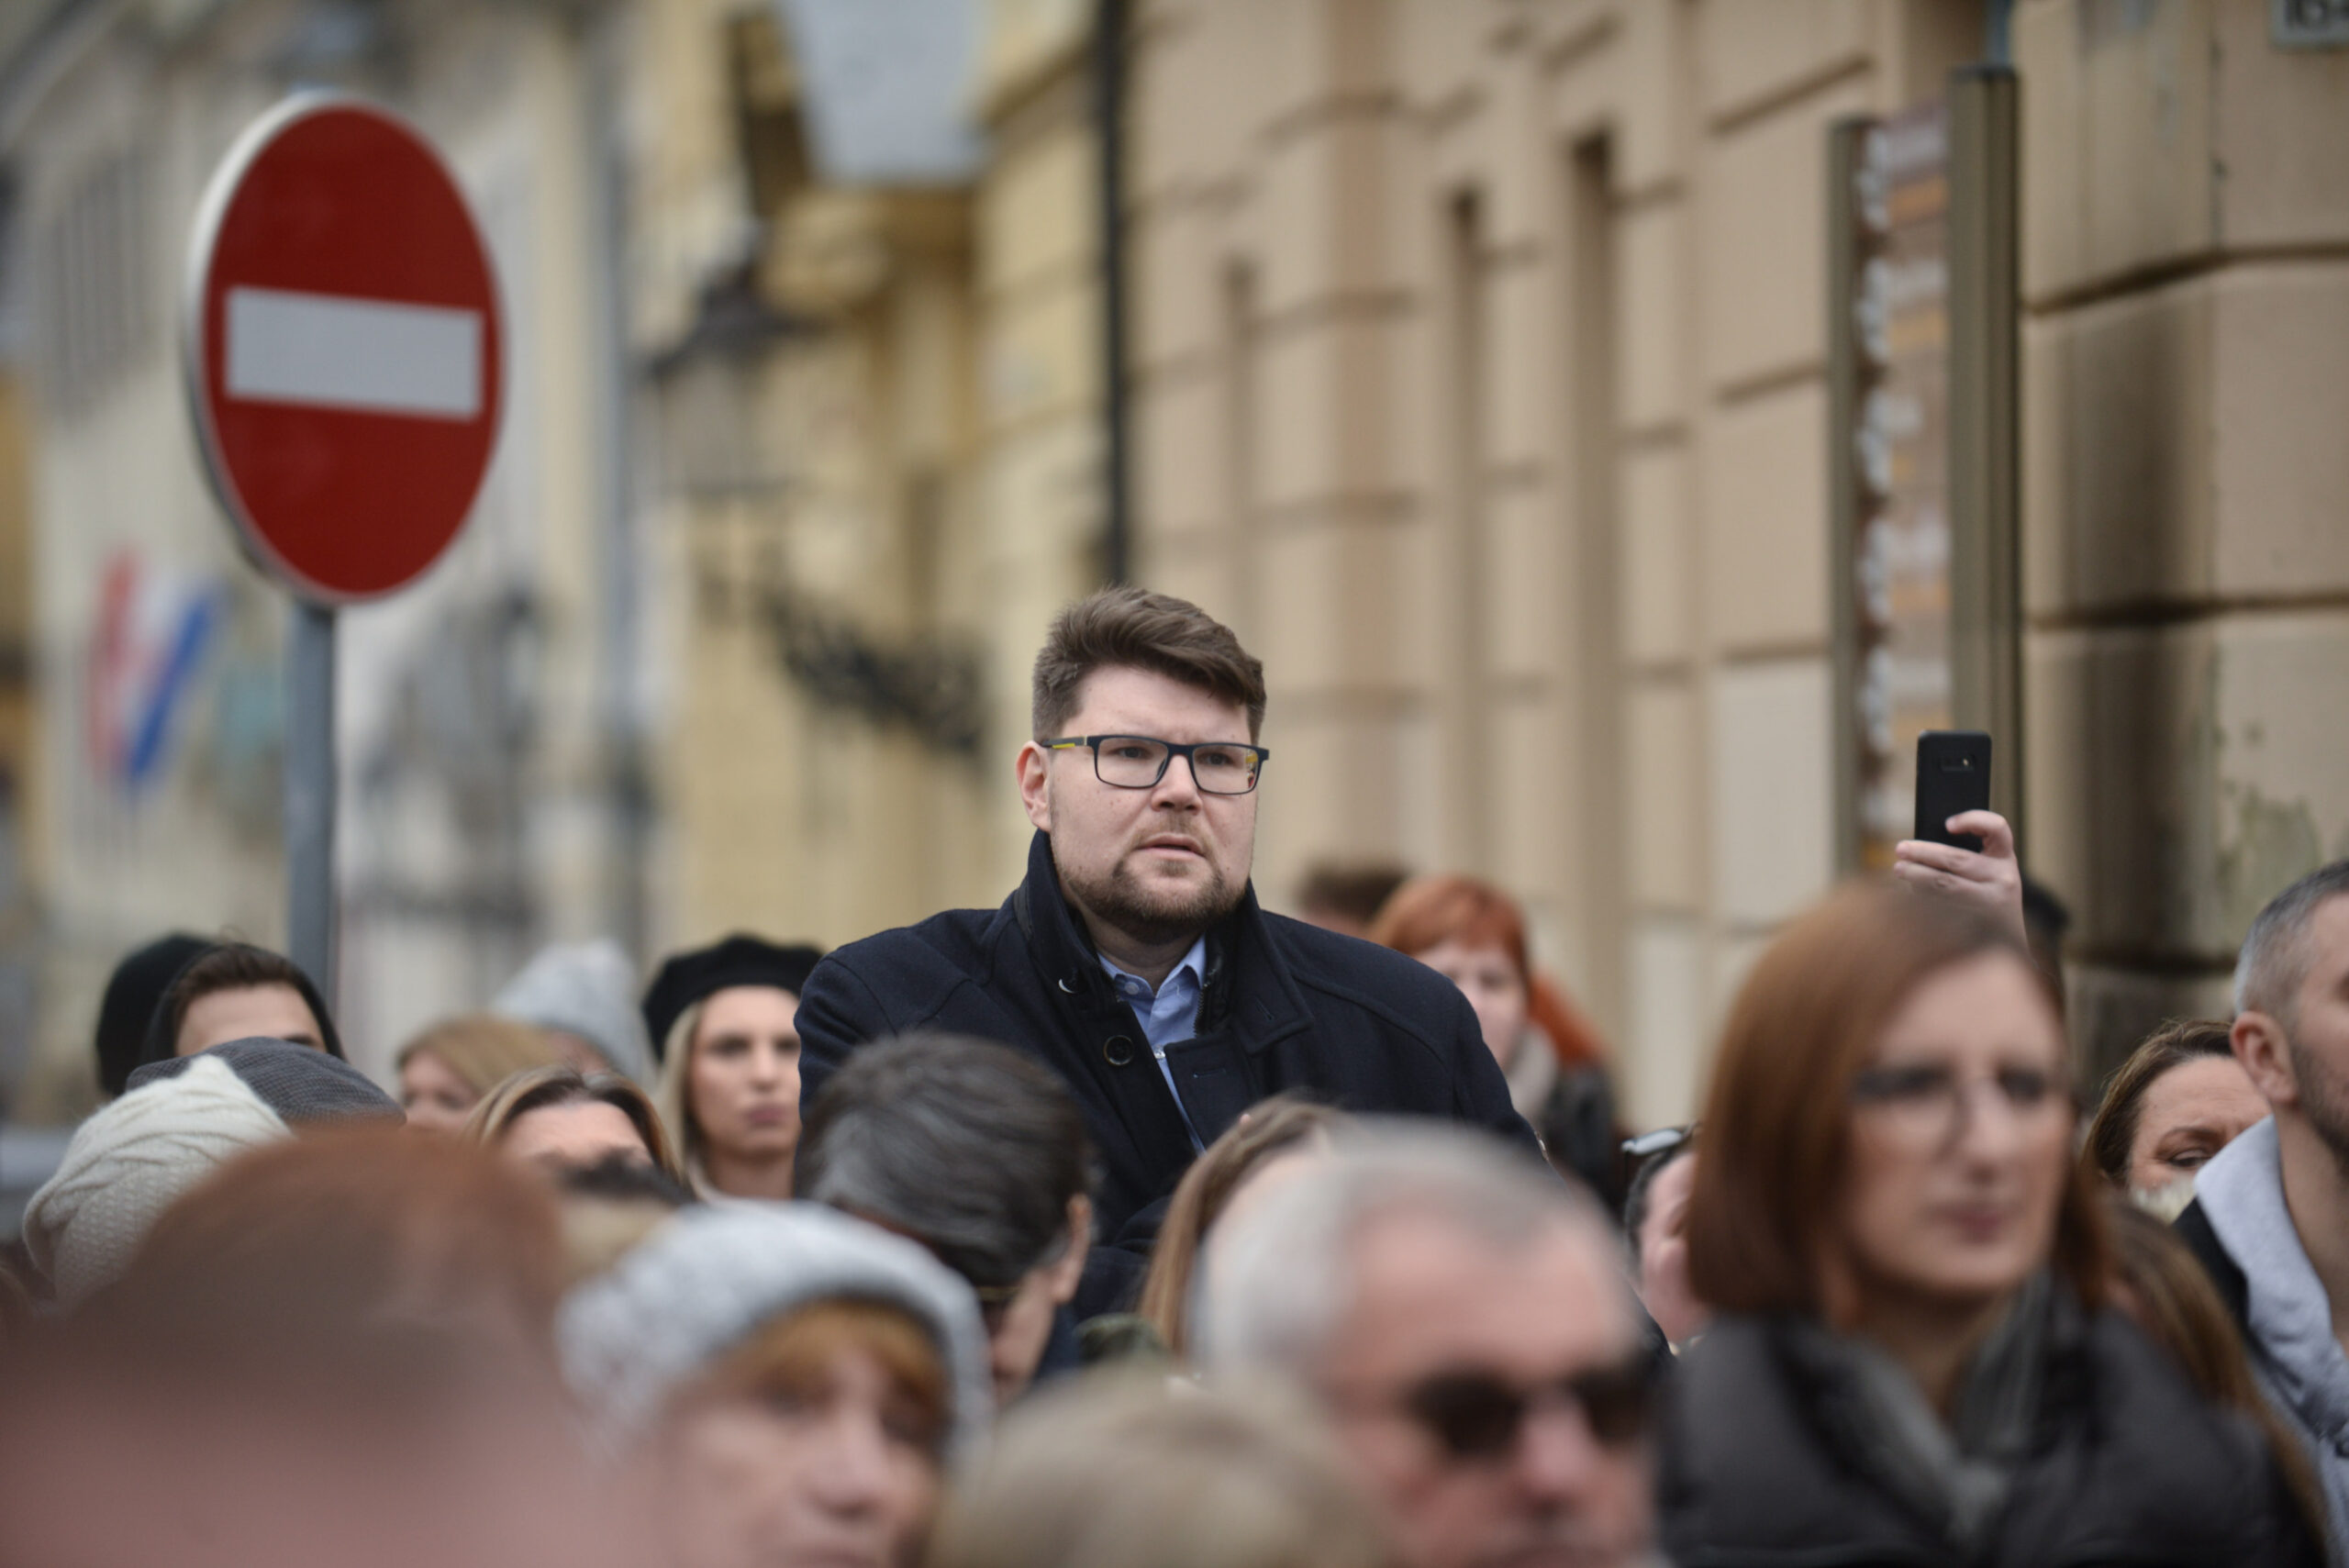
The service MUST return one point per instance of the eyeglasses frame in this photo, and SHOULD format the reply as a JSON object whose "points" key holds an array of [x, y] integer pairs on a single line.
{"points": [[1174, 749]]}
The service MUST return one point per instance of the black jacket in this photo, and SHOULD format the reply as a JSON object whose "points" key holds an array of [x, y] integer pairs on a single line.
{"points": [[2128, 1465], [1287, 1006]]}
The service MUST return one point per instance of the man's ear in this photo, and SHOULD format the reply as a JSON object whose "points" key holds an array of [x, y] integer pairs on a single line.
{"points": [[2265, 1055], [1033, 767], [1069, 1271]]}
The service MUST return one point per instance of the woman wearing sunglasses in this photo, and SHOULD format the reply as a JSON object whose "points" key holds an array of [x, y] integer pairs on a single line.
{"points": [[1914, 1359]]}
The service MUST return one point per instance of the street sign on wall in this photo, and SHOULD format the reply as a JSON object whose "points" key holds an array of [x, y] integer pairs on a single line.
{"points": [[344, 349], [1899, 556]]}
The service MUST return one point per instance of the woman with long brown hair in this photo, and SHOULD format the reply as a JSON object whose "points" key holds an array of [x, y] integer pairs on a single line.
{"points": [[1914, 1359]]}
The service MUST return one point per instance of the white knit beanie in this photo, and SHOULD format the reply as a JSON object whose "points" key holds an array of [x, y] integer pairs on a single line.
{"points": [[712, 1275], [587, 989], [129, 1162]]}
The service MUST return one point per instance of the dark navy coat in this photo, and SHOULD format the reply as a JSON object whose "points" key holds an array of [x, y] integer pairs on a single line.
{"points": [[1287, 1006], [1759, 1468]]}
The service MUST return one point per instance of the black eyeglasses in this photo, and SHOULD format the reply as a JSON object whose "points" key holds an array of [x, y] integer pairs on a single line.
{"points": [[1928, 1104], [1138, 761], [1478, 1416]]}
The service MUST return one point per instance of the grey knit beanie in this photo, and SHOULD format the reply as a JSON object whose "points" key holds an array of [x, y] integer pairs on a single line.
{"points": [[587, 989], [714, 1275], [298, 1083]]}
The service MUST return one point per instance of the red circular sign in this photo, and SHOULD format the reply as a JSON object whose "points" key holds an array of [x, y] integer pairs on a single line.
{"points": [[344, 350]]}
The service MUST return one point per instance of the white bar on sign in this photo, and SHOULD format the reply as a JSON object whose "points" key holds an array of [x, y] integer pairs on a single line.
{"points": [[369, 355]]}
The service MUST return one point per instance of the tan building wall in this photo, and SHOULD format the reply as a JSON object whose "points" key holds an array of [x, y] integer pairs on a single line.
{"points": [[2186, 274], [1481, 356]]}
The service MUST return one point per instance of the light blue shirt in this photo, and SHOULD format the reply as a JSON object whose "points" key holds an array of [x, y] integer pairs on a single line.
{"points": [[1169, 1014]]}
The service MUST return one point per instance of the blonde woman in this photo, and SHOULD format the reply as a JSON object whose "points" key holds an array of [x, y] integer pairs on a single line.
{"points": [[722, 1022], [445, 1071], [562, 1119]]}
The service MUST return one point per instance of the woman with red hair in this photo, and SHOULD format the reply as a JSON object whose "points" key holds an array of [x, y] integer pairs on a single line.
{"points": [[1474, 934]]}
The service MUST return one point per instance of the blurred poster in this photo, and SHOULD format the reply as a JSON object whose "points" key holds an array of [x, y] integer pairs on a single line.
{"points": [[1900, 568]]}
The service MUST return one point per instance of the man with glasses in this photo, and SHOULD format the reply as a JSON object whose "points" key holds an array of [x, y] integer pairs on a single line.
{"points": [[1133, 959], [1464, 1324]]}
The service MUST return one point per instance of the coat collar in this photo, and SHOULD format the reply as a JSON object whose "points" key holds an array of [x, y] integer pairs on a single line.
{"points": [[1247, 985]]}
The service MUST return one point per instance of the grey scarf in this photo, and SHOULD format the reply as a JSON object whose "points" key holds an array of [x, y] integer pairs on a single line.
{"points": [[1955, 1476]]}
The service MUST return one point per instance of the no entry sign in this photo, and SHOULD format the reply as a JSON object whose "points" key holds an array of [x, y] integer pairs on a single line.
{"points": [[343, 350]]}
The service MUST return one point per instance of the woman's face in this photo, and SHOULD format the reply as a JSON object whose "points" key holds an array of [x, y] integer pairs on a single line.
{"points": [[1488, 976], [2188, 1114], [844, 1475], [744, 1081], [435, 1098], [574, 1137], [1961, 1139]]}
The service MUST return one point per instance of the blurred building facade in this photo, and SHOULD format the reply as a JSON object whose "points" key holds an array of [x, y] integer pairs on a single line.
{"points": [[481, 714], [1481, 381], [1477, 375]]}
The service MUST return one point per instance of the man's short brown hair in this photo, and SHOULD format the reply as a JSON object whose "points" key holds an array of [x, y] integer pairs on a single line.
{"points": [[1132, 629]]}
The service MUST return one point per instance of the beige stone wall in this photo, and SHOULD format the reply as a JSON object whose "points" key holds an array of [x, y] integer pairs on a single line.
{"points": [[1481, 349], [2186, 274]]}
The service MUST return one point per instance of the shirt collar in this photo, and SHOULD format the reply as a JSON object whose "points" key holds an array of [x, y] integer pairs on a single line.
{"points": [[1196, 960]]}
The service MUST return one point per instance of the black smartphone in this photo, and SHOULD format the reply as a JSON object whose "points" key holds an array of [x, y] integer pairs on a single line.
{"points": [[1952, 775]]}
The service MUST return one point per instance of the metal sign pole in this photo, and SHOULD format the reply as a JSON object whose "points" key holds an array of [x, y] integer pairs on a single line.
{"points": [[311, 794]]}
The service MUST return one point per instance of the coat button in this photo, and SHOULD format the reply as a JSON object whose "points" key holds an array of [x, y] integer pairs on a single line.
{"points": [[1117, 1050]]}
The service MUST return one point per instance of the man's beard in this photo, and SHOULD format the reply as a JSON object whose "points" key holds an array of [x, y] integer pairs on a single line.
{"points": [[2324, 1100], [1149, 914]]}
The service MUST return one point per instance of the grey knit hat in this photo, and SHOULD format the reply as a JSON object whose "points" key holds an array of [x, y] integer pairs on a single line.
{"points": [[298, 1083], [714, 1275], [588, 989]]}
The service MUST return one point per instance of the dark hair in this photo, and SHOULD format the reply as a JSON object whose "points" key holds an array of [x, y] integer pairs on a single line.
{"points": [[1357, 892], [2114, 1130], [133, 992], [1271, 1128], [1637, 1197], [967, 1146], [616, 1180], [232, 966], [1777, 1115], [1132, 629], [2275, 960], [544, 1088]]}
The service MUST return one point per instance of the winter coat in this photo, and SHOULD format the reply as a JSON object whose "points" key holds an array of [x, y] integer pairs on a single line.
{"points": [[1287, 1006], [2127, 1465]]}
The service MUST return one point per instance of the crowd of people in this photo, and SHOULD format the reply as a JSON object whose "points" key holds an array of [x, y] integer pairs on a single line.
{"points": [[1129, 1223]]}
